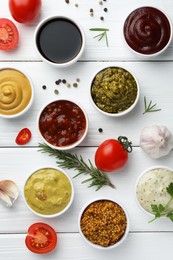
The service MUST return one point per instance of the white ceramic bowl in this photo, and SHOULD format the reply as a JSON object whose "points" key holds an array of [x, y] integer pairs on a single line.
{"points": [[158, 189], [119, 242], [67, 206], [73, 144], [16, 90], [124, 112], [48, 60], [143, 55]]}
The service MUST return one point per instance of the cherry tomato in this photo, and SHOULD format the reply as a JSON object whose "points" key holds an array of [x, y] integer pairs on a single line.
{"points": [[23, 136], [41, 238], [112, 155], [24, 11], [9, 35]]}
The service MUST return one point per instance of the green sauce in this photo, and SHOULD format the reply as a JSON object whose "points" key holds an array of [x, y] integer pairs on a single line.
{"points": [[114, 90], [48, 191]]}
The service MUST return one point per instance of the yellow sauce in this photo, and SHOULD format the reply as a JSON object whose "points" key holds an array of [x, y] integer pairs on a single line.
{"points": [[15, 92], [48, 191]]}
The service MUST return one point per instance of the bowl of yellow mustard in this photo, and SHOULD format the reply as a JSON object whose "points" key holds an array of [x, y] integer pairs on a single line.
{"points": [[114, 91], [16, 93], [48, 192]]}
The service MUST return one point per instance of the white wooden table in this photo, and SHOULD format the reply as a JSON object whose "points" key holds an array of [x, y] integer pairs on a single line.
{"points": [[145, 241]]}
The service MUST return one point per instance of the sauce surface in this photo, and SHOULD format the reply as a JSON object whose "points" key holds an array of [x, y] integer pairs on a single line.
{"points": [[48, 191], [147, 30], [15, 92], [62, 123], [151, 188], [59, 40]]}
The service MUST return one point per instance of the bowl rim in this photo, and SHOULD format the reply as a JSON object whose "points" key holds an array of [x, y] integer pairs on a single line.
{"points": [[72, 195], [31, 99], [159, 166], [73, 145], [153, 54], [72, 20], [115, 200], [128, 110]]}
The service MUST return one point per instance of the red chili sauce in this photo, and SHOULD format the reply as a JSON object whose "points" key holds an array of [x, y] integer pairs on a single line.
{"points": [[62, 123], [147, 30]]}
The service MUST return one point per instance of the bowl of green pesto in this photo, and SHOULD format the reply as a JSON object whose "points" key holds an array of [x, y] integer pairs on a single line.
{"points": [[114, 91], [48, 192]]}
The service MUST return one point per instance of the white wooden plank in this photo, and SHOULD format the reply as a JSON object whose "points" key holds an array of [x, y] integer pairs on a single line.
{"points": [[17, 164], [154, 80], [71, 246], [114, 19]]}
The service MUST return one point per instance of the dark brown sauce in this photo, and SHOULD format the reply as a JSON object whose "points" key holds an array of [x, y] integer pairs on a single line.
{"points": [[59, 40], [147, 30]]}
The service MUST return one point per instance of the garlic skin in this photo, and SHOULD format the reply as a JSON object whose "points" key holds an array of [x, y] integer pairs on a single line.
{"points": [[156, 141], [8, 192]]}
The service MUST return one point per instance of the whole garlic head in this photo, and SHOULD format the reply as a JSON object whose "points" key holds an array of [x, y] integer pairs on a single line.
{"points": [[156, 141]]}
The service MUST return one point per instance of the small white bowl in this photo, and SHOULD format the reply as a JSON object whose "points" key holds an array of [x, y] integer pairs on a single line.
{"points": [[16, 90], [119, 242], [79, 51], [157, 191], [124, 112], [73, 144], [150, 55], [67, 206]]}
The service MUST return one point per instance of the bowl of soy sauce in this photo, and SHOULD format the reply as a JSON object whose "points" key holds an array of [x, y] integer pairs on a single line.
{"points": [[59, 40]]}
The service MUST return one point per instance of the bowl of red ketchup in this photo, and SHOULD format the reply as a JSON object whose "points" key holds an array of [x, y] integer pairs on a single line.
{"points": [[147, 31], [62, 124]]}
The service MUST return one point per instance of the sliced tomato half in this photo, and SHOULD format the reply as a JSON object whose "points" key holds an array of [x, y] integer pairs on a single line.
{"points": [[41, 238], [23, 136], [9, 35]]}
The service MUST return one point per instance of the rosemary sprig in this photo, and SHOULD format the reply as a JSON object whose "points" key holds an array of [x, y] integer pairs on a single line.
{"points": [[149, 107], [101, 35], [72, 161]]}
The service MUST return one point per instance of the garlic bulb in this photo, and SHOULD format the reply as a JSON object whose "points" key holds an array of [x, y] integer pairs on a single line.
{"points": [[156, 141], [8, 192]]}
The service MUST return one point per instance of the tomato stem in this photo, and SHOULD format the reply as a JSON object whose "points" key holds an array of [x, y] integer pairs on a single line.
{"points": [[127, 145]]}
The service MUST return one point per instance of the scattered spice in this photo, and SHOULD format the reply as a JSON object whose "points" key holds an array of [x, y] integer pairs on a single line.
{"points": [[103, 223], [76, 5], [44, 87], [102, 18], [57, 82], [67, 1], [100, 2], [100, 130], [56, 91], [77, 80], [105, 9], [64, 81], [68, 85], [75, 85], [91, 12]]}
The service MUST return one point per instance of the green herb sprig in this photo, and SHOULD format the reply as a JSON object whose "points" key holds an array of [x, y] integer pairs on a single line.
{"points": [[149, 107], [72, 161], [162, 211], [101, 35]]}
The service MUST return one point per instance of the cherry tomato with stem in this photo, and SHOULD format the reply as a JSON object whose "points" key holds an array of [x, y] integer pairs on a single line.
{"points": [[9, 35], [41, 238], [23, 136], [24, 11], [112, 154]]}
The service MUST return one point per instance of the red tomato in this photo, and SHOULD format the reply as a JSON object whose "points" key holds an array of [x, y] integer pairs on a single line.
{"points": [[23, 136], [24, 11], [9, 35], [111, 155], [41, 238]]}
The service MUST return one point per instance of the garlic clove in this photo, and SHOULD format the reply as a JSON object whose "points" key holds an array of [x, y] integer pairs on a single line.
{"points": [[8, 192]]}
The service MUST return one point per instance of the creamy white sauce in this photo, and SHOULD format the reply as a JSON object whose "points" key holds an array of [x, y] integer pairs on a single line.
{"points": [[151, 188]]}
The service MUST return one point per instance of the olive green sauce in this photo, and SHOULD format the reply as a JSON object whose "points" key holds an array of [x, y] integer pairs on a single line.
{"points": [[48, 191], [114, 90]]}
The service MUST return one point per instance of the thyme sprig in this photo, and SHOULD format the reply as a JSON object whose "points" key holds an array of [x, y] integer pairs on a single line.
{"points": [[101, 35], [67, 160], [149, 107], [162, 211]]}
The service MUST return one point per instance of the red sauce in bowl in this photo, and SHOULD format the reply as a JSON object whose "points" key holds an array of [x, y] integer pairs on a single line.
{"points": [[147, 30], [62, 123]]}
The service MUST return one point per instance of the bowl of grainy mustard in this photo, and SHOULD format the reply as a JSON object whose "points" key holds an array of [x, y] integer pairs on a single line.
{"points": [[114, 91], [103, 223]]}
